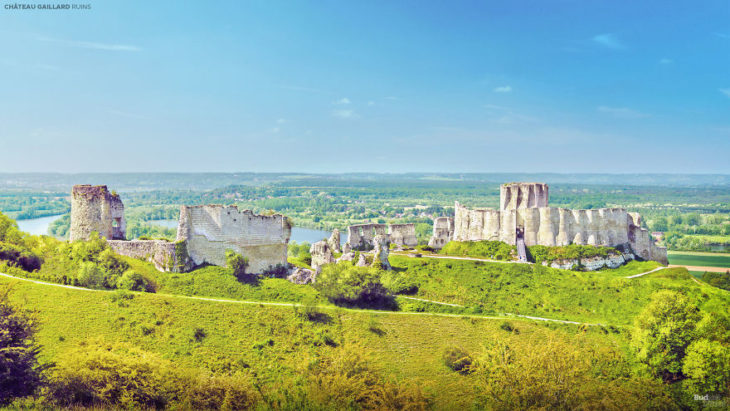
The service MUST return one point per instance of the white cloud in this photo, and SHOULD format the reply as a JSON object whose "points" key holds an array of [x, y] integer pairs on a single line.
{"points": [[343, 100], [621, 112], [725, 91], [503, 89], [281, 121], [666, 61], [371, 103], [274, 130], [91, 45], [344, 113], [609, 40]]}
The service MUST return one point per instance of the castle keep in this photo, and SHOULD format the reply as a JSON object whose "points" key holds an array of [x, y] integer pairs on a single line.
{"points": [[524, 215], [204, 233], [95, 209]]}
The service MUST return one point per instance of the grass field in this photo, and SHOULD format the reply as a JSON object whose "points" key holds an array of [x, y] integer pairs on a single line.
{"points": [[604, 297], [699, 259], [275, 344]]}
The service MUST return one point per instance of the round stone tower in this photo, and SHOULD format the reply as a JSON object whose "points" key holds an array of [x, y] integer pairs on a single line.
{"points": [[513, 196], [95, 209]]}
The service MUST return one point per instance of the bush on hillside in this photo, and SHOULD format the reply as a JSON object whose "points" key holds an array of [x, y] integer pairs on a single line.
{"points": [[135, 281], [236, 262], [559, 374], [353, 286], [493, 250], [457, 359], [121, 375], [20, 374], [719, 280], [540, 253], [346, 379], [19, 257], [663, 331], [9, 232]]}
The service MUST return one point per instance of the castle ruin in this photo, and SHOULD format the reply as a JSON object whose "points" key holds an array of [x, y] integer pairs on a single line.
{"points": [[95, 209], [524, 215], [362, 236], [210, 230], [204, 233]]}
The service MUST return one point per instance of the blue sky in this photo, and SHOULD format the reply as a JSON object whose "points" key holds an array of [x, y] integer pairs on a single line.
{"points": [[389, 86]]}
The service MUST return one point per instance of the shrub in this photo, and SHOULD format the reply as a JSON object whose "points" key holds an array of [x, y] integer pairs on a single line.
{"points": [[134, 281], [359, 286], [719, 280], [707, 366], [90, 275], [558, 374], [540, 253], [20, 374], [457, 359], [199, 334], [20, 257], [345, 379], [663, 331], [236, 262], [119, 375], [9, 232]]}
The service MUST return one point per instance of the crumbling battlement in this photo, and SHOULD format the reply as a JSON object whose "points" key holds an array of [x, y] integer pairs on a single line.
{"points": [[166, 256], [523, 195], [361, 236], [210, 230], [443, 231], [95, 209], [403, 234], [524, 210]]}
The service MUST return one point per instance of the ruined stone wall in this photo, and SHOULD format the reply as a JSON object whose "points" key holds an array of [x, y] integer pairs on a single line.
{"points": [[166, 256], [523, 195], [210, 230], [443, 231], [360, 236], [403, 234], [94, 208], [554, 226], [642, 243], [546, 226], [476, 224]]}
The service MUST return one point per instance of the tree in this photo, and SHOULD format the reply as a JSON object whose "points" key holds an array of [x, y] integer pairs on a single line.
{"points": [[237, 262], [660, 224], [663, 331], [20, 374], [348, 285], [707, 367]]}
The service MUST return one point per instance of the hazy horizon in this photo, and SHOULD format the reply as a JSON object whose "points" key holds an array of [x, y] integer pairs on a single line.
{"points": [[330, 87]]}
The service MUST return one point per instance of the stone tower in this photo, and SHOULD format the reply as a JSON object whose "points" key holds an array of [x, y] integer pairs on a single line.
{"points": [[513, 196], [94, 208]]}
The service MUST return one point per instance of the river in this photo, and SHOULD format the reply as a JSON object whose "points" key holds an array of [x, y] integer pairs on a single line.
{"points": [[38, 226]]}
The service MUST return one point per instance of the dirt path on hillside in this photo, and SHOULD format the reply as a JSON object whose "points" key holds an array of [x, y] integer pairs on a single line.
{"points": [[702, 268]]}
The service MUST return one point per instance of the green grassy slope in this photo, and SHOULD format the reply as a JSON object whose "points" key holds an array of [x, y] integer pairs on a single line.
{"points": [[604, 297], [274, 344]]}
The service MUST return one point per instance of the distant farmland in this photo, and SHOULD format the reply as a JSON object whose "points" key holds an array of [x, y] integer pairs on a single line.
{"points": [[699, 259]]}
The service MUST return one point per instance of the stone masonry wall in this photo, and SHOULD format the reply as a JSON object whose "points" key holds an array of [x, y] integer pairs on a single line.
{"points": [[523, 195], [166, 256], [94, 208], [443, 231], [210, 230], [403, 234]]}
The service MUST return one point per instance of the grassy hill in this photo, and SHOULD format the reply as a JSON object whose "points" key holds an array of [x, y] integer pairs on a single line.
{"points": [[275, 344]]}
